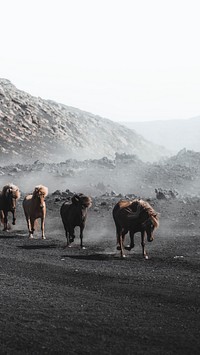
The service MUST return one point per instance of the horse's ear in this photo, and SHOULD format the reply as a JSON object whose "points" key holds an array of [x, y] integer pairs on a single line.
{"points": [[7, 191], [35, 191], [75, 199]]}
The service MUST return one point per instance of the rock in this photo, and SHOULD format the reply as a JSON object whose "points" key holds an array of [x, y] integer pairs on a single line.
{"points": [[162, 194]]}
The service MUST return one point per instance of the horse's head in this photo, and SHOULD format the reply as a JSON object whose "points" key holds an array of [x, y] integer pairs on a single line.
{"points": [[82, 204], [149, 218], [11, 195], [150, 225], [82, 200], [40, 193], [11, 200], [149, 229]]}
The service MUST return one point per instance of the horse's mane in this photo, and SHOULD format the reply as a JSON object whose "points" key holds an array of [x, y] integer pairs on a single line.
{"points": [[13, 188], [151, 212], [124, 203], [40, 188], [144, 205]]}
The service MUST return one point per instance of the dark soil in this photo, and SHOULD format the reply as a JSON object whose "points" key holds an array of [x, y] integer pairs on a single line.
{"points": [[57, 300]]}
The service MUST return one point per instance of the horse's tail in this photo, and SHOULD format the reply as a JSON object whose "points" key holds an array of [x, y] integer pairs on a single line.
{"points": [[116, 224]]}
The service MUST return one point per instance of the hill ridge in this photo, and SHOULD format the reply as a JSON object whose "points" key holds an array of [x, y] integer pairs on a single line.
{"points": [[31, 126]]}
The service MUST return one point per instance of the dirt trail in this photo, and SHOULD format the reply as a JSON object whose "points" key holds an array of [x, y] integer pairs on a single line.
{"points": [[72, 301]]}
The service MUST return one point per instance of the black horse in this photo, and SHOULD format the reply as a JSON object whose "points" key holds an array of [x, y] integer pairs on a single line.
{"points": [[74, 214], [8, 197], [134, 216]]}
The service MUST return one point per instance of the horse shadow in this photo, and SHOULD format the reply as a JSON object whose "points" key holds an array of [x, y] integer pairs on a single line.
{"points": [[12, 234], [38, 246], [94, 257]]}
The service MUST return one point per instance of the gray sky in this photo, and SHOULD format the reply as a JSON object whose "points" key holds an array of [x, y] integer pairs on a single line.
{"points": [[125, 60]]}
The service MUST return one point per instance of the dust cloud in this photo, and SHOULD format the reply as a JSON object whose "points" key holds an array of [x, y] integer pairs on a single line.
{"points": [[125, 175]]}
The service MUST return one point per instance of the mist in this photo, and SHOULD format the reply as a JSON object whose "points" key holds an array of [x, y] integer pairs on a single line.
{"points": [[165, 133], [126, 174]]}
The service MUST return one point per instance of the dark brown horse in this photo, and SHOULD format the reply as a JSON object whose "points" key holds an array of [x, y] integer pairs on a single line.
{"points": [[134, 216], [35, 207], [8, 197], [74, 214]]}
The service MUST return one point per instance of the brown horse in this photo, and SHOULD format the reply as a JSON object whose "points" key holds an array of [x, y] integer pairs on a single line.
{"points": [[8, 197], [134, 216], [35, 207]]}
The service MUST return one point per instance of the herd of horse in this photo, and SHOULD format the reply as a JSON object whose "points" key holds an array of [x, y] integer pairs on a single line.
{"points": [[130, 216]]}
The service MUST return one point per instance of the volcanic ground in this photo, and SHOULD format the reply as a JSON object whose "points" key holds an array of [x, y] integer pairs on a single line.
{"points": [[57, 300]]}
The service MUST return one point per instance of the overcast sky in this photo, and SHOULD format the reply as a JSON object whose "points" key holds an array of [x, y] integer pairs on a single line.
{"points": [[125, 60]]}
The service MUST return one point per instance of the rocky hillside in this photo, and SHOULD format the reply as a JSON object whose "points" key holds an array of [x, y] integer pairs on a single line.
{"points": [[173, 134], [32, 128]]}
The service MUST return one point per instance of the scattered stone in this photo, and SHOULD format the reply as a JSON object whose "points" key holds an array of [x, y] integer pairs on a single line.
{"points": [[162, 194]]}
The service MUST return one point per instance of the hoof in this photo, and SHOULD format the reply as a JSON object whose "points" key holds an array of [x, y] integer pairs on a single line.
{"points": [[146, 257], [128, 247], [83, 247], [31, 236], [44, 237]]}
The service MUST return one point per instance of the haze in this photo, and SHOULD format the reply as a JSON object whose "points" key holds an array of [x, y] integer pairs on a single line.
{"points": [[124, 60]]}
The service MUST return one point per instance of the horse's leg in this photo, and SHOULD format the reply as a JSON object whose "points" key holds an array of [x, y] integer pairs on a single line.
{"points": [[131, 246], [5, 221], [132, 240], [30, 223], [67, 236], [118, 233], [121, 243], [71, 235], [143, 245], [14, 217], [66, 233], [120, 239], [81, 236], [1, 217], [42, 227]]}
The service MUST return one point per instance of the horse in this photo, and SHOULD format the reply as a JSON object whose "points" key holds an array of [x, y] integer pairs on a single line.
{"points": [[134, 216], [8, 200], [35, 207], [74, 214]]}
